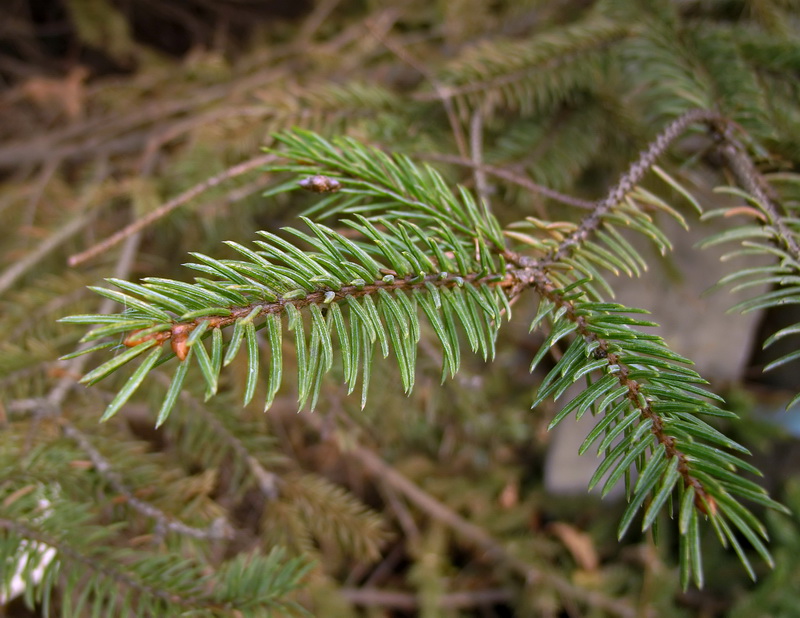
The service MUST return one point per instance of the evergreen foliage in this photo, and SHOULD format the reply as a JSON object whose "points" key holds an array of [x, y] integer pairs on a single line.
{"points": [[413, 260]]}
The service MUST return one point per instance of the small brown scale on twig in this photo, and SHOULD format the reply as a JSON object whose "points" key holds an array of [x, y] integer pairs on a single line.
{"points": [[178, 335], [135, 337]]}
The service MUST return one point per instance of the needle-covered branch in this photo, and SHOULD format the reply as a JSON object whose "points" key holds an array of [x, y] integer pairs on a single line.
{"points": [[407, 245]]}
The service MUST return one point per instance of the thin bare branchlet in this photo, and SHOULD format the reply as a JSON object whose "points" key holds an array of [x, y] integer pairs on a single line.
{"points": [[167, 208], [515, 178]]}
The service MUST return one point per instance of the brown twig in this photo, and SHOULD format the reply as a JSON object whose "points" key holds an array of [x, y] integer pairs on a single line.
{"points": [[165, 209], [476, 536], [517, 179], [476, 155], [46, 174], [16, 270], [408, 601], [267, 482], [736, 159], [311, 24], [407, 524], [442, 93], [57, 238], [118, 134]]}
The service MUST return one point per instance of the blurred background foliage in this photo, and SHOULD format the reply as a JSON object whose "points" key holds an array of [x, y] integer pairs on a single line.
{"points": [[138, 112]]}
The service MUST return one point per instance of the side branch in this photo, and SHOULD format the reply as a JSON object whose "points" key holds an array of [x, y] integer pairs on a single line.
{"points": [[702, 500], [219, 529], [102, 568], [510, 176], [749, 178], [470, 532], [633, 176]]}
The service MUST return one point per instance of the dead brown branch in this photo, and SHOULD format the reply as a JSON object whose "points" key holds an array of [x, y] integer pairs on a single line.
{"points": [[168, 207], [470, 533]]}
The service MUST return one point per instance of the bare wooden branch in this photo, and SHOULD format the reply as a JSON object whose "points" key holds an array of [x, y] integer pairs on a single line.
{"points": [[168, 207]]}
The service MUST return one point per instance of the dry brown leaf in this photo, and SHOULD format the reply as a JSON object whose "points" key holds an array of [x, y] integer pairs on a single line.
{"points": [[64, 96], [509, 497], [579, 544]]}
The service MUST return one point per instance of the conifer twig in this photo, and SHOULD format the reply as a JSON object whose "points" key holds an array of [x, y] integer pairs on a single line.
{"points": [[633, 176], [517, 179], [16, 270], [311, 25], [442, 93], [57, 238], [750, 179], [546, 289], [45, 175], [219, 529], [476, 154], [123, 134], [375, 597], [736, 160], [267, 482]]}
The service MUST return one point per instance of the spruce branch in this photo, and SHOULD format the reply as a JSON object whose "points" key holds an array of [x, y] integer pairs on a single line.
{"points": [[446, 268], [752, 181], [649, 403], [770, 231], [78, 223], [531, 74], [413, 243], [561, 91], [156, 585]]}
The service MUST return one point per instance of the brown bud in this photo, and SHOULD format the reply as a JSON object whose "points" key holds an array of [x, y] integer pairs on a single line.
{"points": [[180, 333], [705, 504], [320, 184]]}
